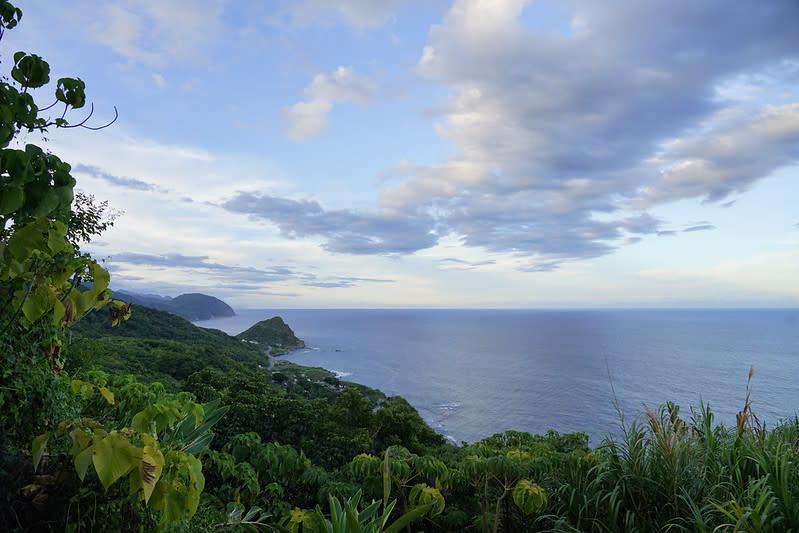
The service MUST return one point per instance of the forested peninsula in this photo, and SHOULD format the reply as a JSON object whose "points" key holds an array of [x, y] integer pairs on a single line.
{"points": [[121, 417], [273, 336]]}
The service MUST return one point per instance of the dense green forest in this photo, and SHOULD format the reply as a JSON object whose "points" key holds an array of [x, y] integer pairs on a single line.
{"points": [[132, 419]]}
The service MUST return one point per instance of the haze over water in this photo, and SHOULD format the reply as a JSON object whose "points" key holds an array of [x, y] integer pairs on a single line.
{"points": [[472, 373]]}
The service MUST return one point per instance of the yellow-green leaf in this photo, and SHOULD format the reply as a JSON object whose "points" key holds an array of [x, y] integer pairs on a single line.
{"points": [[198, 412], [58, 312], [55, 237], [34, 306], [82, 461], [100, 277], [195, 471], [108, 395], [529, 497], [79, 303], [80, 441], [114, 457], [421, 495], [152, 464], [175, 506], [27, 239], [142, 422], [37, 449]]}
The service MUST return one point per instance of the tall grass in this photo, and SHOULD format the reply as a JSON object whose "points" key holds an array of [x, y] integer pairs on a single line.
{"points": [[666, 473]]}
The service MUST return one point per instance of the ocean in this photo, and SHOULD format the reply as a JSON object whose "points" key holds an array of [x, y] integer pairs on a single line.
{"points": [[473, 373]]}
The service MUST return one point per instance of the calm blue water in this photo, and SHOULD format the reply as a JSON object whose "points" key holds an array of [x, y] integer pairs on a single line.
{"points": [[472, 373]]}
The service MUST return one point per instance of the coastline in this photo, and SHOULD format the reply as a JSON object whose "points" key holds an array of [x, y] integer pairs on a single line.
{"points": [[474, 373], [340, 375]]}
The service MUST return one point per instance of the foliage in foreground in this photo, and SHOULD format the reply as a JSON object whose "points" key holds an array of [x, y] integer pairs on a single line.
{"points": [[665, 473], [46, 285]]}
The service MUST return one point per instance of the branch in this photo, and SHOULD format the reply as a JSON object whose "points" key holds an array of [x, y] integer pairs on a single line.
{"points": [[48, 107], [95, 128], [82, 122]]}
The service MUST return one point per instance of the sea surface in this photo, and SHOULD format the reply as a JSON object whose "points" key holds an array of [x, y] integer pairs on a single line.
{"points": [[473, 373]]}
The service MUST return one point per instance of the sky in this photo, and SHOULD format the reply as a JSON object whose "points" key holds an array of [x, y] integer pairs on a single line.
{"points": [[438, 153]]}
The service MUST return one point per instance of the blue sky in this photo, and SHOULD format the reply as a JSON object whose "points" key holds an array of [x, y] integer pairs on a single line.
{"points": [[467, 153]]}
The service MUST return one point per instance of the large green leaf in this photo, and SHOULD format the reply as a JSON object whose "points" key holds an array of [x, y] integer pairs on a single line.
{"points": [[11, 200], [176, 501], [79, 302], [56, 240], [195, 471], [28, 238], [42, 199], [114, 457], [35, 306], [80, 441], [30, 70]]}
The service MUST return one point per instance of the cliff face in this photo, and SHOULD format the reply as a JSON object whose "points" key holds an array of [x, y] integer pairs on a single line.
{"points": [[193, 306], [272, 334]]}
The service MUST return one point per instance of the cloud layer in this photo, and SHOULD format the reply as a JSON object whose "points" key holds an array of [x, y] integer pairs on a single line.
{"points": [[128, 183], [230, 277], [309, 117], [566, 125], [344, 231], [562, 141], [559, 137]]}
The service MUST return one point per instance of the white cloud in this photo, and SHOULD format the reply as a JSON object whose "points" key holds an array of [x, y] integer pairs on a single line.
{"points": [[154, 33], [120, 30], [340, 85], [733, 153], [308, 118], [159, 80], [361, 14]]}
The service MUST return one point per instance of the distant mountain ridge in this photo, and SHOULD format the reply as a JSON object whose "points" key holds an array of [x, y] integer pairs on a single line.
{"points": [[192, 306]]}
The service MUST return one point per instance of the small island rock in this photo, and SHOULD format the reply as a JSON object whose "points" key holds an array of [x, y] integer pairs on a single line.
{"points": [[272, 335]]}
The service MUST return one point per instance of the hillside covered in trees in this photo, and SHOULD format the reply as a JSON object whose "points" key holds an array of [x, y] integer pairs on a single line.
{"points": [[192, 306]]}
